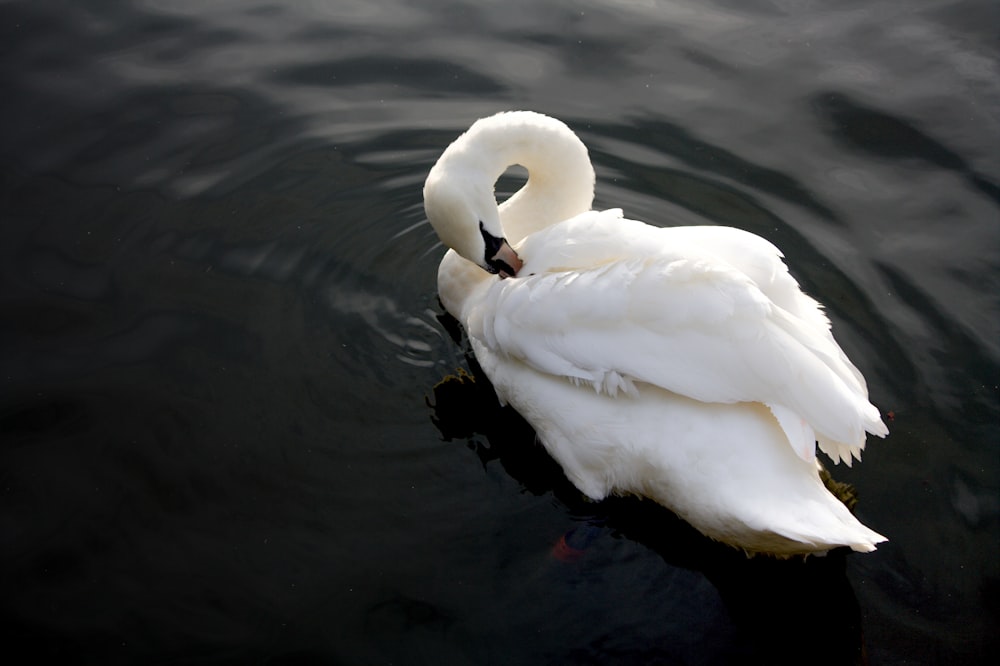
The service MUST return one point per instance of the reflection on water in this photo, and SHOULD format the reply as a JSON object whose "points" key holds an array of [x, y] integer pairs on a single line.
{"points": [[219, 325], [766, 600]]}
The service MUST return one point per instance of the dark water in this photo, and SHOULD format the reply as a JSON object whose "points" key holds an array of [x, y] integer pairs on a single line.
{"points": [[220, 329]]}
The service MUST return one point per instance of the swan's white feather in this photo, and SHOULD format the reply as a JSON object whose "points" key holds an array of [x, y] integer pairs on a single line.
{"points": [[636, 304], [683, 364]]}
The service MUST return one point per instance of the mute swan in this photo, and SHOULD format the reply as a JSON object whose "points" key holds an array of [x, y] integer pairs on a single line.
{"points": [[680, 364]]}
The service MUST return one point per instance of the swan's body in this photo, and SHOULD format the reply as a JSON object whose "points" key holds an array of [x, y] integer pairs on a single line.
{"points": [[681, 364]]}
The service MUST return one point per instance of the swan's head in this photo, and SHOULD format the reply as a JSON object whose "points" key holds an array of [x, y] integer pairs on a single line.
{"points": [[465, 216]]}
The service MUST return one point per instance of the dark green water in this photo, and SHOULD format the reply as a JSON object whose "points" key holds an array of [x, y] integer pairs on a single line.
{"points": [[220, 328]]}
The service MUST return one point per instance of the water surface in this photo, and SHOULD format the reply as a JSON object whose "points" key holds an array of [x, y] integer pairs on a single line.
{"points": [[220, 327]]}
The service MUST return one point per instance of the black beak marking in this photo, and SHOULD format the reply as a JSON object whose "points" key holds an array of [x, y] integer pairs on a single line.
{"points": [[493, 245]]}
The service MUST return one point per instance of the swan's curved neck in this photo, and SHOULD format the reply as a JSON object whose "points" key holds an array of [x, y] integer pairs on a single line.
{"points": [[560, 176]]}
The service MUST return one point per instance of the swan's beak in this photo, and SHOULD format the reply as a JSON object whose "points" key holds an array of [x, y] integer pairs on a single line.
{"points": [[506, 262], [503, 259]]}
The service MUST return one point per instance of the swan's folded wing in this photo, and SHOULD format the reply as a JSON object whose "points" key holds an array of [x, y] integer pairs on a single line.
{"points": [[694, 326]]}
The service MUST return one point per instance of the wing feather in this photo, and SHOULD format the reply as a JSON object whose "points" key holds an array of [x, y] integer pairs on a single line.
{"points": [[638, 304]]}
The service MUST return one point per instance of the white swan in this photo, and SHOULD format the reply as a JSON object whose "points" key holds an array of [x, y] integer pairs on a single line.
{"points": [[680, 364]]}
